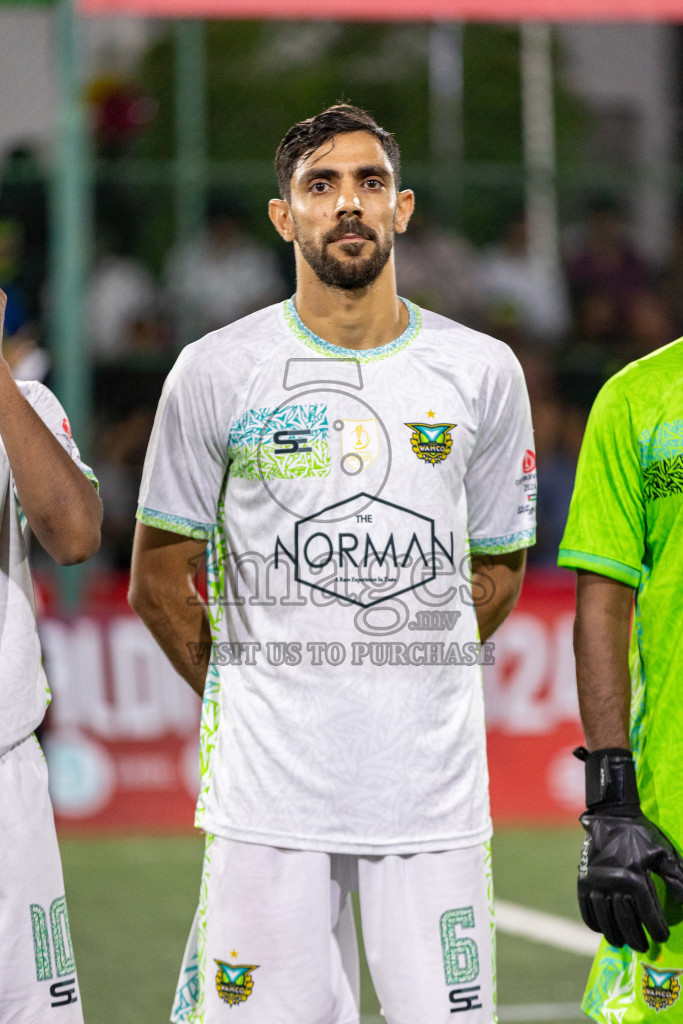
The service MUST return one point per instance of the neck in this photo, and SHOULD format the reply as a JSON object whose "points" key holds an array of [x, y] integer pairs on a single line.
{"points": [[362, 319]]}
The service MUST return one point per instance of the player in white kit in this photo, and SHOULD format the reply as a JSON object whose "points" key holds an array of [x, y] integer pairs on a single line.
{"points": [[359, 475], [44, 483]]}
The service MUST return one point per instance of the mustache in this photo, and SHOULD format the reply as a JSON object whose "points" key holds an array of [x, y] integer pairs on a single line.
{"points": [[351, 226]]}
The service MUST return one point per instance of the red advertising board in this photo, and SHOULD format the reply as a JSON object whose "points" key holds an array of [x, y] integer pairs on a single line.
{"points": [[122, 732], [395, 10], [532, 708]]}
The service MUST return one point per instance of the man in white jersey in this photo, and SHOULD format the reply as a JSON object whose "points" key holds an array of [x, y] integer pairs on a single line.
{"points": [[44, 484], [358, 474]]}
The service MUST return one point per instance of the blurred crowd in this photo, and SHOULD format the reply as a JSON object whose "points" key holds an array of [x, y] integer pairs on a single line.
{"points": [[572, 324]]}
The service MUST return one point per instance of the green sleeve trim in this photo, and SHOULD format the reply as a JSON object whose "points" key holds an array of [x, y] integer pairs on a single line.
{"points": [[92, 478], [569, 559], [175, 524], [503, 545]]}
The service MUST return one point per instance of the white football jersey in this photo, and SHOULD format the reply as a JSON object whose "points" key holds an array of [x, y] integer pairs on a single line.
{"points": [[24, 692], [341, 494]]}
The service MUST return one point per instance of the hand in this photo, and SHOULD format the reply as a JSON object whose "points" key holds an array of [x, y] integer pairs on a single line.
{"points": [[616, 893]]}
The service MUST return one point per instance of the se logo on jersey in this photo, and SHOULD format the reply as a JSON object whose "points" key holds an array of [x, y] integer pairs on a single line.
{"points": [[660, 989], [234, 983], [431, 441]]}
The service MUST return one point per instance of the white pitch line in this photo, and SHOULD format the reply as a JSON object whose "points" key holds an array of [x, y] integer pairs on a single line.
{"points": [[537, 926]]}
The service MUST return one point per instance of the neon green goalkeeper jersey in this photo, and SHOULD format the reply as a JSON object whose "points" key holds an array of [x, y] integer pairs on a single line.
{"points": [[626, 522]]}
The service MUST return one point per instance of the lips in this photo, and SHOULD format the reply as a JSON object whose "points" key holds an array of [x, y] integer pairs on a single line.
{"points": [[351, 231]]}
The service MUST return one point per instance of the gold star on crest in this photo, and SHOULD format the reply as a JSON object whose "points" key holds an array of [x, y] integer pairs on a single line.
{"points": [[431, 414], [233, 954]]}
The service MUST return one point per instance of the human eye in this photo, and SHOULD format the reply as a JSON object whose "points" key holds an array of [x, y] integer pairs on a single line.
{"points": [[320, 187], [374, 184]]}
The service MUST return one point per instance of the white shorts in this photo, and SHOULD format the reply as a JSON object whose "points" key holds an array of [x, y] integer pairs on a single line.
{"points": [[274, 938], [38, 981]]}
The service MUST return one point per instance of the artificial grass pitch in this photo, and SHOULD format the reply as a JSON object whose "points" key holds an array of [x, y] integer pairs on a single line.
{"points": [[131, 902]]}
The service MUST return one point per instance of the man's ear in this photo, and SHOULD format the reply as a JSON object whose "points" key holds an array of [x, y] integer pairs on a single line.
{"points": [[404, 210], [280, 215]]}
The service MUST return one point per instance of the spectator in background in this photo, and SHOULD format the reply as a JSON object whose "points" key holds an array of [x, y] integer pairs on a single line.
{"points": [[597, 322], [25, 358], [120, 292], [521, 297], [671, 280], [121, 445], [649, 324], [11, 247], [561, 392], [220, 275], [605, 262], [23, 201], [437, 269]]}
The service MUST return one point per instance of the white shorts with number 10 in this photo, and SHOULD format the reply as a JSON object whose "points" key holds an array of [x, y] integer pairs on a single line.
{"points": [[38, 983], [273, 939]]}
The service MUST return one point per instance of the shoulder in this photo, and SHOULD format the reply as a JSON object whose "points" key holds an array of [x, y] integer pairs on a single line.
{"points": [[468, 350], [228, 356], [39, 396], [645, 384]]}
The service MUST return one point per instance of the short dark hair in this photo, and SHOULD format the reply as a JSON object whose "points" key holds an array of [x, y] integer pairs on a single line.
{"points": [[306, 136]]}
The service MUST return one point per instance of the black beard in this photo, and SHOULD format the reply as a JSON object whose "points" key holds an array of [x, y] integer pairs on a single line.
{"points": [[351, 274]]}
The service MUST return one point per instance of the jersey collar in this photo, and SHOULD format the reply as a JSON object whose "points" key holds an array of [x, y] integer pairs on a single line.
{"points": [[369, 355]]}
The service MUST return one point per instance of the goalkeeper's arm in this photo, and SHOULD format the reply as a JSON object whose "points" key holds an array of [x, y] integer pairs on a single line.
{"points": [[616, 893]]}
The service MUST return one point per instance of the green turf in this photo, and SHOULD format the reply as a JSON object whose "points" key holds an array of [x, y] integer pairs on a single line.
{"points": [[131, 902]]}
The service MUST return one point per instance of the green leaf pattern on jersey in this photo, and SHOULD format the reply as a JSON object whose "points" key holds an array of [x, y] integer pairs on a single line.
{"points": [[174, 524], [198, 1016], [492, 921], [368, 355], [188, 1005], [663, 478], [661, 456], [611, 987], [251, 447], [663, 442], [216, 558], [638, 688], [502, 545]]}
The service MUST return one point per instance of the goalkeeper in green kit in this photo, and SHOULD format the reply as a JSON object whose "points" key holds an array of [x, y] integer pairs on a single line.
{"points": [[624, 536]]}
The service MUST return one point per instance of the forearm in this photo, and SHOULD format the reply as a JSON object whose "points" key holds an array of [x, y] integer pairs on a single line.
{"points": [[601, 642], [61, 505], [496, 584], [163, 593], [183, 633]]}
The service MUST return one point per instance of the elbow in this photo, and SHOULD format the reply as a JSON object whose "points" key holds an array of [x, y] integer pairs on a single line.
{"points": [[79, 548], [141, 598], [135, 596]]}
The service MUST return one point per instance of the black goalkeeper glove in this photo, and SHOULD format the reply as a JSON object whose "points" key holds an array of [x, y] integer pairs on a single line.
{"points": [[616, 893]]}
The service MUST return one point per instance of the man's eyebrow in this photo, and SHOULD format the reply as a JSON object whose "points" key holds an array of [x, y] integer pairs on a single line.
{"points": [[313, 173], [330, 174], [374, 171]]}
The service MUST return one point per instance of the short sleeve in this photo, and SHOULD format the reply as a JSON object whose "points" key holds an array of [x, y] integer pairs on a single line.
{"points": [[51, 412], [605, 531], [186, 458], [500, 480]]}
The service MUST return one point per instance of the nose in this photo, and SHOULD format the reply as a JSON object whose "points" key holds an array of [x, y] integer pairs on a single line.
{"points": [[348, 203]]}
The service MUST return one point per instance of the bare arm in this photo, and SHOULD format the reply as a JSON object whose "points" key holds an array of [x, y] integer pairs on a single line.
{"points": [[163, 593], [601, 640], [496, 583], [61, 505]]}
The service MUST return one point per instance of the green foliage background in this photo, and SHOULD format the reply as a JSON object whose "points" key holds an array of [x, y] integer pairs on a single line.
{"points": [[262, 77]]}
